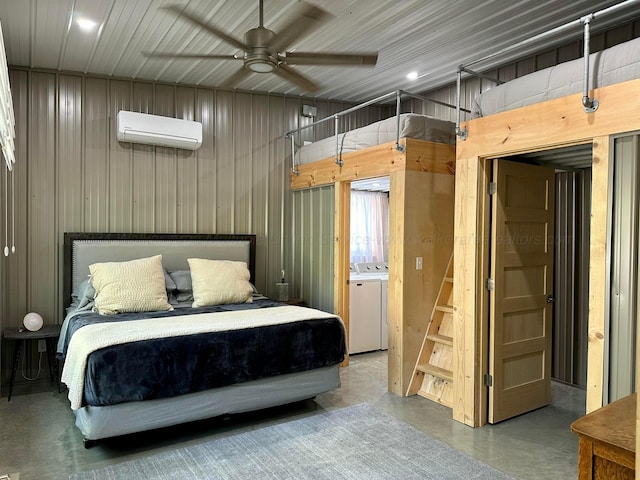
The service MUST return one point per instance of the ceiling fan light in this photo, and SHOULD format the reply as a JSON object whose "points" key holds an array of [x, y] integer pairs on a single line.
{"points": [[260, 66]]}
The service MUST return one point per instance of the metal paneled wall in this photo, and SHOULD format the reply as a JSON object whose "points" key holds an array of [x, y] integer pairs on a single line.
{"points": [[73, 175], [312, 249], [623, 300], [571, 276]]}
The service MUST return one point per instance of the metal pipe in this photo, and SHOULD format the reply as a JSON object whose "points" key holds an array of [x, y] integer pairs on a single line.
{"points": [[459, 132], [480, 75], [553, 31], [397, 145], [432, 100], [613, 8], [590, 104], [548, 33], [338, 160], [293, 154], [344, 112]]}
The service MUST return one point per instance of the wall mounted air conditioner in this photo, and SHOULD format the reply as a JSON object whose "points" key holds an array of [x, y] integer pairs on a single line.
{"points": [[157, 130]]}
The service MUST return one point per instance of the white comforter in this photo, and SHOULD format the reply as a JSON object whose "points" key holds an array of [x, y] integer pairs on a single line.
{"points": [[94, 337]]}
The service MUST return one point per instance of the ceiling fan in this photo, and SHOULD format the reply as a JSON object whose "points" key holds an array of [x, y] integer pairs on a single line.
{"points": [[264, 51]]}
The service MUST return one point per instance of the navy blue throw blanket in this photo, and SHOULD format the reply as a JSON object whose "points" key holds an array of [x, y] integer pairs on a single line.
{"points": [[161, 368]]}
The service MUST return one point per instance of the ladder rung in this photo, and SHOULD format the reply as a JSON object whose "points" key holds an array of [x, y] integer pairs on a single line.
{"points": [[435, 398], [444, 308], [448, 279], [441, 339], [436, 371]]}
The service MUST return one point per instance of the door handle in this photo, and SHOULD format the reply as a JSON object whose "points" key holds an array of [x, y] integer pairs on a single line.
{"points": [[550, 299]]}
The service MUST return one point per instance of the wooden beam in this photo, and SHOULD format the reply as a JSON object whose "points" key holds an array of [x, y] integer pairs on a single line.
{"points": [[377, 161], [465, 266], [555, 123], [396, 283], [597, 272], [342, 219]]}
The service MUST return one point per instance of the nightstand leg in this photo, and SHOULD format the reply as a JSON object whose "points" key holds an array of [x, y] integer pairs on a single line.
{"points": [[16, 361], [53, 363]]}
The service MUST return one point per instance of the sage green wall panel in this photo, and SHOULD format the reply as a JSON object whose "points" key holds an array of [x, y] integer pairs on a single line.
{"points": [[143, 160], [40, 216], [205, 184], [15, 270], [623, 299], [260, 146], [70, 165], [96, 158], [225, 165], [312, 248], [120, 162], [278, 163], [186, 171], [165, 166], [243, 162]]}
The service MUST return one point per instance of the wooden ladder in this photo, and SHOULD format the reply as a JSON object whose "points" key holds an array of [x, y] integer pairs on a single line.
{"points": [[433, 375]]}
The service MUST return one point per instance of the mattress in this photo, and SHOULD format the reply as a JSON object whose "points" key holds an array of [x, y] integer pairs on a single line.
{"points": [[167, 355], [613, 65], [421, 127]]}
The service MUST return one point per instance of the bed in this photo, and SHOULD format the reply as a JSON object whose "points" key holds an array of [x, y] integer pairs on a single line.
{"points": [[411, 125], [187, 355], [607, 67], [417, 142]]}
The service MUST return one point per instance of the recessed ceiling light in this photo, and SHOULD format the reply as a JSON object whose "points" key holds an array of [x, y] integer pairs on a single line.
{"points": [[86, 25], [412, 75]]}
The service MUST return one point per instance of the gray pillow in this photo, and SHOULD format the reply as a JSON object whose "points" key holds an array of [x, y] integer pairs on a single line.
{"points": [[83, 295], [182, 280], [168, 281], [184, 288]]}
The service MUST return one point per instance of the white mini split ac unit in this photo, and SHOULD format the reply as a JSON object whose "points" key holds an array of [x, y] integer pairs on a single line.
{"points": [[157, 130]]}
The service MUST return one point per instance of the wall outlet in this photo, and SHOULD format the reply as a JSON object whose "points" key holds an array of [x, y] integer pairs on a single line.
{"points": [[418, 263], [42, 346]]}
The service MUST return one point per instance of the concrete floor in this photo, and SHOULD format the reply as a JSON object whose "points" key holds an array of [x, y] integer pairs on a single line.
{"points": [[39, 440]]}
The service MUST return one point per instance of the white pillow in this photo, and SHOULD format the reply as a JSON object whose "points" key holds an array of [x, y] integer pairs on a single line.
{"points": [[219, 282], [133, 286]]}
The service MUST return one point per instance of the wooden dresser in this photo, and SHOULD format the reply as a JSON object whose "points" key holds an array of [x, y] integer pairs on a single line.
{"points": [[607, 436]]}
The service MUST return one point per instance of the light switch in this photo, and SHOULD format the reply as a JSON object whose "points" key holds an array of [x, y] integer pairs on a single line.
{"points": [[418, 263]]}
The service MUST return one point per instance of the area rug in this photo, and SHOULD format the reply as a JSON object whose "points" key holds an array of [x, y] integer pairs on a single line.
{"points": [[358, 442]]}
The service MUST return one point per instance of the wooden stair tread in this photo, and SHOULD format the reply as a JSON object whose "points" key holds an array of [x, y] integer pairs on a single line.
{"points": [[436, 371], [435, 398], [445, 308], [441, 339]]}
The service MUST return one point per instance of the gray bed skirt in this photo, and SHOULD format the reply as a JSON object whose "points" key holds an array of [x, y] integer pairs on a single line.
{"points": [[103, 422]]}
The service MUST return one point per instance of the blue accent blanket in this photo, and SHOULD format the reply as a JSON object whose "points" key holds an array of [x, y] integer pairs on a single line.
{"points": [[166, 367]]}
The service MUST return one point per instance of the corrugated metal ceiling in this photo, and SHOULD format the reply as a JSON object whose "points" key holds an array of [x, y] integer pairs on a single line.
{"points": [[429, 37]]}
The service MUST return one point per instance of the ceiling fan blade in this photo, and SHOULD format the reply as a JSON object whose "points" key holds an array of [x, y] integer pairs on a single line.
{"points": [[304, 19], [202, 56], [236, 78], [210, 28], [368, 59], [290, 75]]}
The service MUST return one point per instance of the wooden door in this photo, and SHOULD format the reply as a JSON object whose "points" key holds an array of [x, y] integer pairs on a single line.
{"points": [[522, 232]]}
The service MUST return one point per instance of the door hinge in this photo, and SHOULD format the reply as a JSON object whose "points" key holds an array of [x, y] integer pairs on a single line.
{"points": [[488, 380], [492, 188], [491, 284]]}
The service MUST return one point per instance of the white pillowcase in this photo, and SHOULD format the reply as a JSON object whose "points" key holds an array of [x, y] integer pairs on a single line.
{"points": [[219, 282], [133, 286]]}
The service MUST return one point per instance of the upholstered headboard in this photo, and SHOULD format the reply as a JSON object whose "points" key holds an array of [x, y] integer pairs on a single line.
{"points": [[83, 249]]}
